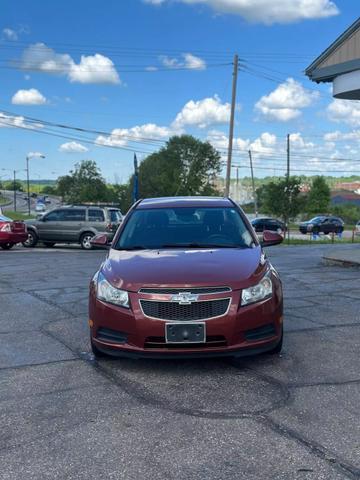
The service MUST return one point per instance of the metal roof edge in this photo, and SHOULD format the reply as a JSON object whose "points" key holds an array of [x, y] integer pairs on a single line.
{"points": [[344, 36]]}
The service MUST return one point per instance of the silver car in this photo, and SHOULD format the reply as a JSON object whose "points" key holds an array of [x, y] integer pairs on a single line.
{"points": [[73, 224]]}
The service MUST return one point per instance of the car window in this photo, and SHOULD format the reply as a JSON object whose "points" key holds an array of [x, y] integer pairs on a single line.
{"points": [[74, 215], [5, 219], [115, 216], [96, 215], [54, 216], [317, 219], [185, 226]]}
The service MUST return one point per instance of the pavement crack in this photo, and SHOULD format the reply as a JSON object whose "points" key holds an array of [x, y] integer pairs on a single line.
{"points": [[348, 470]]}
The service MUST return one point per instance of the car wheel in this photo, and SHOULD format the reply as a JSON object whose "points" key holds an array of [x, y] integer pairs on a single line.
{"points": [[96, 352], [7, 246], [32, 239], [49, 244], [85, 240], [278, 347]]}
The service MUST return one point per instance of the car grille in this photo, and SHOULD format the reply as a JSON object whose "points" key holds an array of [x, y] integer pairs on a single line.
{"points": [[194, 291], [194, 311]]}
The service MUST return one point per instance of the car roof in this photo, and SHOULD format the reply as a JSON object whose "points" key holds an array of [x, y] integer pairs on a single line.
{"points": [[170, 202]]}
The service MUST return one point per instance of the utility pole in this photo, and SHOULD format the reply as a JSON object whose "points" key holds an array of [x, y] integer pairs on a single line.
{"points": [[237, 184], [231, 129], [253, 184], [288, 156], [288, 181]]}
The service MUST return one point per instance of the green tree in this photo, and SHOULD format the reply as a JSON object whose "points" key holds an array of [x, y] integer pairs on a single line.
{"points": [[318, 200], [282, 198], [49, 190], [84, 184], [9, 185], [185, 166]]}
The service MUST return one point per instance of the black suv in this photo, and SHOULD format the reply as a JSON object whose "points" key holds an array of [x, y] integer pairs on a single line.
{"points": [[272, 224], [73, 224], [322, 224]]}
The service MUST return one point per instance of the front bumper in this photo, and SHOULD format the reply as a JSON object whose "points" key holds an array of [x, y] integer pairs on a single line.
{"points": [[243, 331]]}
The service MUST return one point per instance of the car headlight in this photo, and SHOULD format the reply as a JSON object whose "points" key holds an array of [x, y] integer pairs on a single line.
{"points": [[262, 290], [110, 294]]}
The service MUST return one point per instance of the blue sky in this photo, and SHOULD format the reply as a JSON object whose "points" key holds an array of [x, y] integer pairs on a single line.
{"points": [[133, 72]]}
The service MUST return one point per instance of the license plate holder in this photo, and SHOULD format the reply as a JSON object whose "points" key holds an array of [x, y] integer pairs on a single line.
{"points": [[184, 332]]}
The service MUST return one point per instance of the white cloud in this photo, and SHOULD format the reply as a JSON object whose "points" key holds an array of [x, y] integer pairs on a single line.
{"points": [[91, 69], [28, 97], [347, 111], [194, 62], [73, 147], [94, 69], [285, 102], [10, 34], [203, 113], [190, 61], [10, 121], [339, 136], [121, 136], [267, 11]]}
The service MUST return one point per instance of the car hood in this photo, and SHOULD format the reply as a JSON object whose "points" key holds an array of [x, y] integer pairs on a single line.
{"points": [[235, 268]]}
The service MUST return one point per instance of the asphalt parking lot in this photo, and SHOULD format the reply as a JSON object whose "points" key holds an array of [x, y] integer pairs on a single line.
{"points": [[65, 416]]}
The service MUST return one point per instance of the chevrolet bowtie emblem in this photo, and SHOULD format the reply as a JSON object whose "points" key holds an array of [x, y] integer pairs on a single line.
{"points": [[184, 298]]}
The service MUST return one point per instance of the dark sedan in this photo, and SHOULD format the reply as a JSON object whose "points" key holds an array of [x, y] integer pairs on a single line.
{"points": [[322, 224], [272, 224]]}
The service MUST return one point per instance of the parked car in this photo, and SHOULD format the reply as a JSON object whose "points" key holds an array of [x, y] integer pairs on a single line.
{"points": [[73, 224], [357, 228], [272, 224], [186, 276], [322, 224], [11, 232], [40, 207]]}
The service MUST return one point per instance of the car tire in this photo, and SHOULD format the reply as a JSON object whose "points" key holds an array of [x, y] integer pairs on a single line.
{"points": [[32, 239], [96, 352], [49, 244], [7, 246], [278, 348], [85, 240]]}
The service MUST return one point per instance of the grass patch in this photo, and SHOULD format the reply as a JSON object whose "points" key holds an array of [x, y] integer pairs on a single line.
{"points": [[321, 241], [18, 215]]}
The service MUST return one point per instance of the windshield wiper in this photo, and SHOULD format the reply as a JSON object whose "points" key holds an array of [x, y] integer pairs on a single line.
{"points": [[201, 245], [133, 247]]}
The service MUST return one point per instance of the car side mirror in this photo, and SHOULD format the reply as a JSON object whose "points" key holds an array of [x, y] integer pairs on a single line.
{"points": [[100, 241], [271, 238]]}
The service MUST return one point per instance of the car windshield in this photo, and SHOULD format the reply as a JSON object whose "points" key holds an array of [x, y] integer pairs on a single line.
{"points": [[185, 227], [317, 219]]}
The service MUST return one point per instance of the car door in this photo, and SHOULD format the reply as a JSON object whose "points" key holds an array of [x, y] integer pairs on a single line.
{"points": [[325, 225], [49, 228], [72, 223]]}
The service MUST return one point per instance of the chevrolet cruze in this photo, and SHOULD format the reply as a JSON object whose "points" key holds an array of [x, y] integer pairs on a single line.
{"points": [[186, 276]]}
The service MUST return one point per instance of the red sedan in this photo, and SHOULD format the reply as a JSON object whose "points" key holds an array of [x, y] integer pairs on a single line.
{"points": [[11, 232], [186, 276]]}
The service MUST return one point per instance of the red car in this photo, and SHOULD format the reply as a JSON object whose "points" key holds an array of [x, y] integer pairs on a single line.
{"points": [[11, 232], [186, 276]]}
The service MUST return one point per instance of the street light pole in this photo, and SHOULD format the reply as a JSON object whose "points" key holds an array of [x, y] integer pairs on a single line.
{"points": [[14, 190], [30, 155], [28, 183]]}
